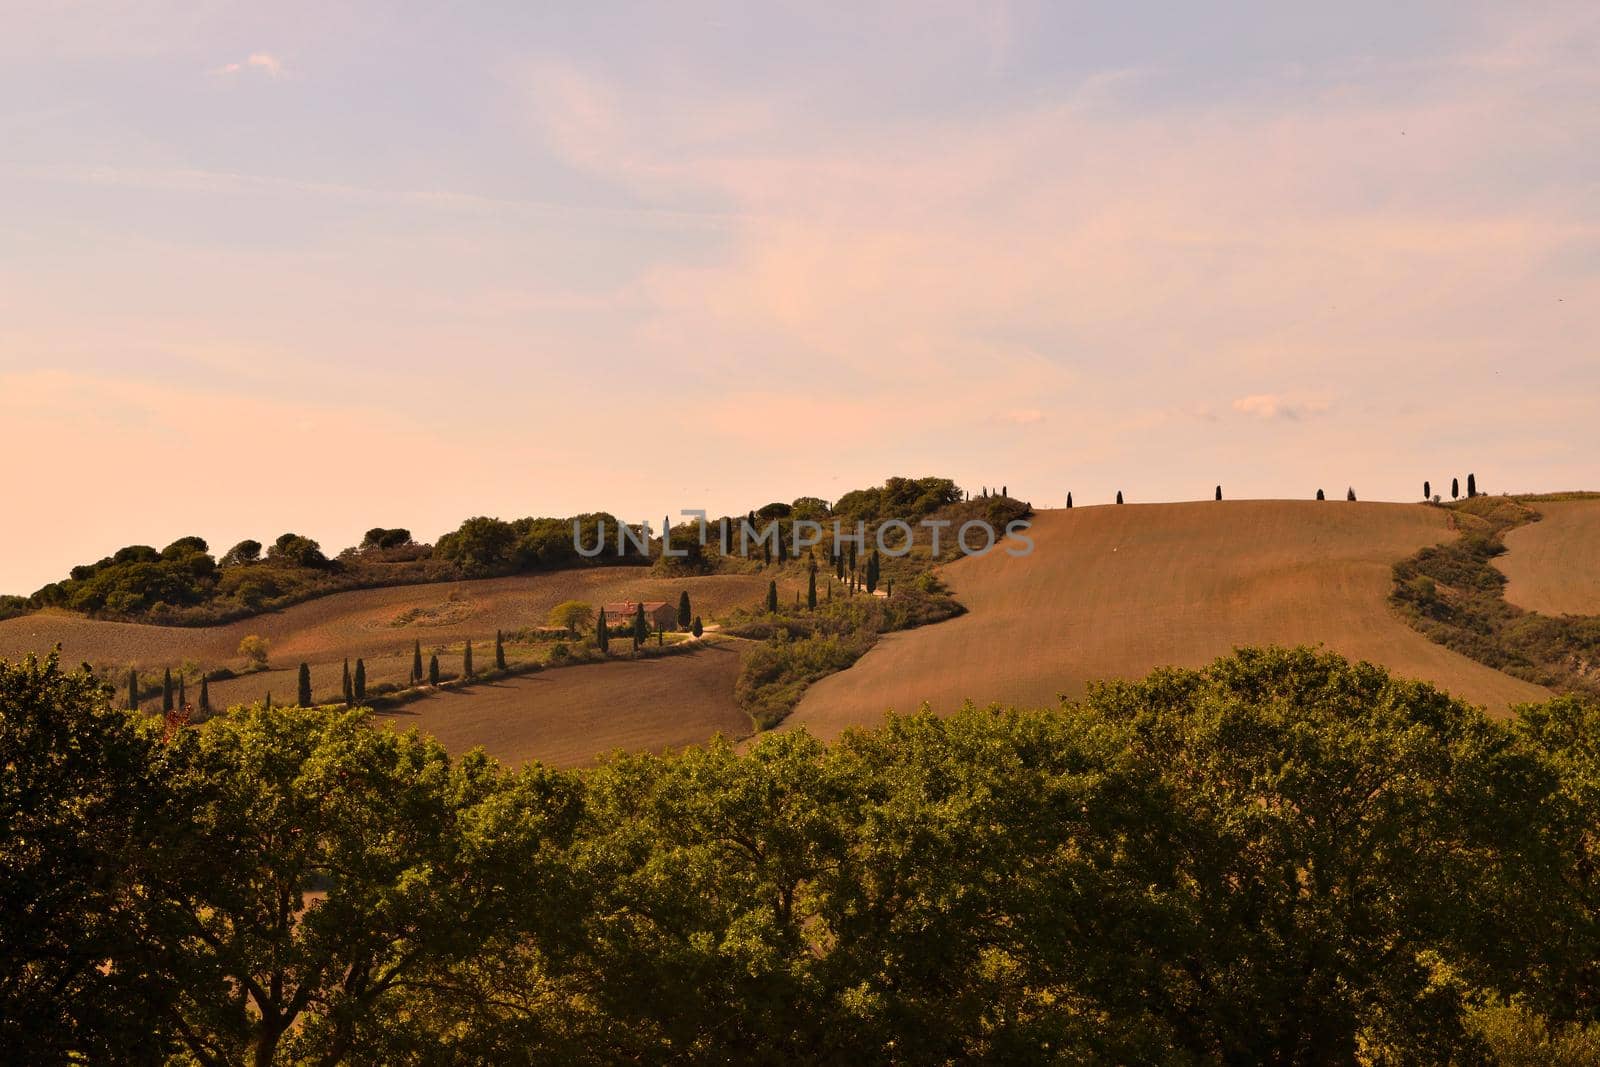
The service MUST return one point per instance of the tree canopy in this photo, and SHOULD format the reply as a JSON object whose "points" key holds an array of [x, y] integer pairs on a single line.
{"points": [[1283, 857]]}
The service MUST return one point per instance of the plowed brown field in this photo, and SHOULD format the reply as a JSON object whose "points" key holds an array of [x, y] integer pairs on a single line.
{"points": [[571, 715], [1118, 590], [377, 624], [1554, 564]]}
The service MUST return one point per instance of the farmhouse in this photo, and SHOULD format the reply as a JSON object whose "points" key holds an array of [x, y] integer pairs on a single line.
{"points": [[658, 613]]}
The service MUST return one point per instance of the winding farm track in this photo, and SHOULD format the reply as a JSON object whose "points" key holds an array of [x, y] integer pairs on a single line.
{"points": [[1553, 565], [1116, 591], [364, 623]]}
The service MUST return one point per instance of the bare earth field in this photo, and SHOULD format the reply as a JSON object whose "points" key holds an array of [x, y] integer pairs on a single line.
{"points": [[1554, 564], [1115, 591], [570, 715], [370, 622], [379, 625]]}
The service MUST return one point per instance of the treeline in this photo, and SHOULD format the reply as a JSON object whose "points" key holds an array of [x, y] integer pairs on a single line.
{"points": [[1455, 595], [184, 584], [1284, 858]]}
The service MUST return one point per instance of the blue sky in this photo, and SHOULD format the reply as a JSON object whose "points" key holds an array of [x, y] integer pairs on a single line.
{"points": [[327, 266]]}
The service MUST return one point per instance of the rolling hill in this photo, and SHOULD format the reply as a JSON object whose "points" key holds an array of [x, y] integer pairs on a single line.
{"points": [[1115, 591], [1553, 566]]}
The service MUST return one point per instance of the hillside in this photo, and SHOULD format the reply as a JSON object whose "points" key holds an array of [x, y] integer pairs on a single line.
{"points": [[1553, 566], [379, 625], [567, 717], [1114, 591]]}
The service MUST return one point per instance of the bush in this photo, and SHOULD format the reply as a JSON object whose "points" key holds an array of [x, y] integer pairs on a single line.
{"points": [[254, 649]]}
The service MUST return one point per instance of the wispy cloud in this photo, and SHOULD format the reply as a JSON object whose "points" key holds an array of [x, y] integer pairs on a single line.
{"points": [[264, 63], [1273, 406]]}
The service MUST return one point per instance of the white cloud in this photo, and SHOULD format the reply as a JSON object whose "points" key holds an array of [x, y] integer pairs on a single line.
{"points": [[263, 62], [1273, 406]]}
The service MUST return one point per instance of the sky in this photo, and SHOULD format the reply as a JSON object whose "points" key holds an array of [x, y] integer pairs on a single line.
{"points": [[326, 266]]}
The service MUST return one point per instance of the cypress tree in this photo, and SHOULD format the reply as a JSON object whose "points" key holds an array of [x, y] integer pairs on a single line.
{"points": [[361, 681], [205, 696], [1427, 491], [466, 660], [1069, 499], [268, 702], [416, 663], [183, 694], [349, 689], [872, 572], [1472, 486], [852, 566], [1350, 494], [602, 632], [499, 651], [641, 629], [1004, 491], [695, 627], [305, 686], [1455, 488], [1320, 496], [838, 565], [772, 598], [888, 589], [685, 615], [811, 589], [1119, 496], [433, 668], [783, 546], [166, 690], [1219, 492], [133, 690]]}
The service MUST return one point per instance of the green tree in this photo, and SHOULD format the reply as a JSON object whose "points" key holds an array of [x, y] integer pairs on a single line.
{"points": [[416, 663], [1119, 496], [466, 660], [255, 650], [1472, 485], [361, 681], [772, 597], [1427, 490], [205, 696], [133, 690], [242, 554], [873, 566], [1069, 500], [574, 615], [1320, 495], [696, 628], [602, 633], [304, 690], [348, 687], [83, 802], [811, 588], [1219, 492], [1350, 494], [641, 629], [499, 651], [1455, 488], [685, 615], [433, 669], [166, 691], [290, 964]]}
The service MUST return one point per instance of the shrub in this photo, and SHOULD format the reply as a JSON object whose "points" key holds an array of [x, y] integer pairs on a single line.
{"points": [[254, 650]]}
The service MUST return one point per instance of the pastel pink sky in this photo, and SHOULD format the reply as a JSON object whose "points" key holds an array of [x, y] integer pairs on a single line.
{"points": [[268, 268]]}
